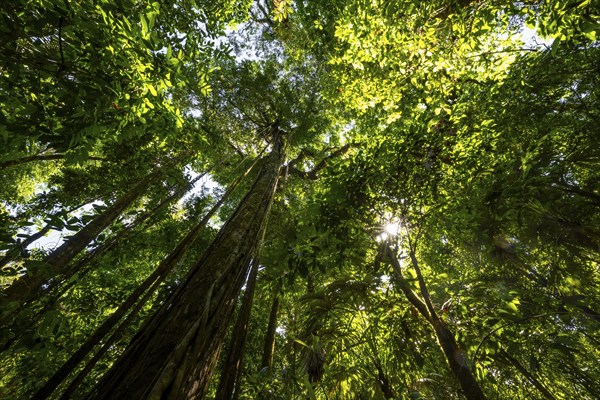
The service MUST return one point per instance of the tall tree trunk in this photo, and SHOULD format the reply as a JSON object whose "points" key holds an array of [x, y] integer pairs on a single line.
{"points": [[22, 247], [26, 287], [455, 356], [228, 388], [80, 266], [269, 345], [174, 355], [161, 272], [108, 343]]}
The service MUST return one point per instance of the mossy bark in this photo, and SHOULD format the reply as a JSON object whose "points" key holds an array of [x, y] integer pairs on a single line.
{"points": [[173, 356], [269, 345], [228, 388]]}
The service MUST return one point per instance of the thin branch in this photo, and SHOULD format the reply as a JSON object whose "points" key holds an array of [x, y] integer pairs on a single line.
{"points": [[313, 174], [422, 285], [60, 46], [234, 147], [40, 157]]}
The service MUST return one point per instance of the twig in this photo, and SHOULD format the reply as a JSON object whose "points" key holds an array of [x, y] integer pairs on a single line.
{"points": [[60, 47]]}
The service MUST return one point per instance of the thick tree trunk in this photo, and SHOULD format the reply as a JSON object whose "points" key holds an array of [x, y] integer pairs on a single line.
{"points": [[455, 356], [228, 388], [269, 346], [161, 272], [174, 355], [26, 287]]}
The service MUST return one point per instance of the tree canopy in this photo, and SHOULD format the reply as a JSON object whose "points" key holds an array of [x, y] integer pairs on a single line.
{"points": [[299, 199]]}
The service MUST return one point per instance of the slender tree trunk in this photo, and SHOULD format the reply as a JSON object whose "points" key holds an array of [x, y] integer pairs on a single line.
{"points": [[384, 382], [16, 251], [174, 355], [161, 272], [228, 388], [28, 286], [80, 266], [112, 339], [269, 346], [455, 356], [21, 247]]}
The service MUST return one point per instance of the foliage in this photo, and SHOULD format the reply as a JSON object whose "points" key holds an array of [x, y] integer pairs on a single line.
{"points": [[430, 129]]}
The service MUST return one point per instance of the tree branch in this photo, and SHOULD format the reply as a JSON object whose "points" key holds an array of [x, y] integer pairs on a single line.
{"points": [[313, 173], [40, 157], [412, 297], [423, 287]]}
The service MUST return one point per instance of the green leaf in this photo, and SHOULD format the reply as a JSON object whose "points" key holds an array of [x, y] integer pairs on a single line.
{"points": [[144, 25]]}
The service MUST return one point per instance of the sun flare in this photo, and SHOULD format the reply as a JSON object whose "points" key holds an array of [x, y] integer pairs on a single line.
{"points": [[392, 228]]}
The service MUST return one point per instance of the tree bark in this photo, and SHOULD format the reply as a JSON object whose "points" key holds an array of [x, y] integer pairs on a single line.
{"points": [[161, 272], [228, 388], [15, 251], [174, 355], [269, 346], [455, 356]]}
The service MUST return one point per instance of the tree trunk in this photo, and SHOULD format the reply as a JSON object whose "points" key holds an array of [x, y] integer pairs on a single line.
{"points": [[161, 272], [228, 388], [269, 346], [384, 382], [26, 287], [108, 344], [84, 261], [458, 361], [174, 355], [455, 356], [22, 247]]}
